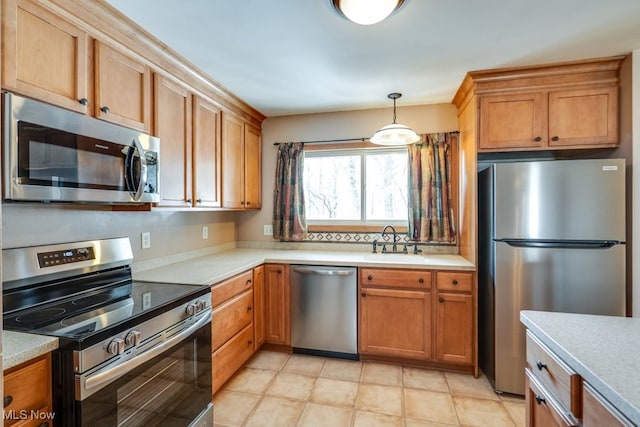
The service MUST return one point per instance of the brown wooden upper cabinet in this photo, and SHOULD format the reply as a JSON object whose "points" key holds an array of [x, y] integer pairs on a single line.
{"points": [[123, 88], [577, 118], [572, 105], [44, 56], [241, 169], [173, 126], [188, 126]]}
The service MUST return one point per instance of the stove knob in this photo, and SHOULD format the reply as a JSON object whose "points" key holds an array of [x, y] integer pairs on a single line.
{"points": [[133, 338], [202, 304], [191, 309], [116, 346]]}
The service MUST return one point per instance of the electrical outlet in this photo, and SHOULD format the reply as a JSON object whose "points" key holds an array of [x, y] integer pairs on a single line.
{"points": [[146, 240], [268, 230], [205, 232]]}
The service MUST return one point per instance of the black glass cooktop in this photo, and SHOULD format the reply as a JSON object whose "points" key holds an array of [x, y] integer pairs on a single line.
{"points": [[90, 313]]}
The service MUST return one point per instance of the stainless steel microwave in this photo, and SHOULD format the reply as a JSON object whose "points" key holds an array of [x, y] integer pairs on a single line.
{"points": [[54, 155]]}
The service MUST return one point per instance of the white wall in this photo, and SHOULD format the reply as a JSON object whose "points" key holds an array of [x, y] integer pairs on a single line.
{"points": [[337, 125]]}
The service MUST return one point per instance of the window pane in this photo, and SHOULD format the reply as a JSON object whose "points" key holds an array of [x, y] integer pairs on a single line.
{"points": [[386, 186], [332, 187]]}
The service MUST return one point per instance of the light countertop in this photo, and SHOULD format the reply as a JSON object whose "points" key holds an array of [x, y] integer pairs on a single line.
{"points": [[207, 270], [210, 269], [18, 347], [602, 349]]}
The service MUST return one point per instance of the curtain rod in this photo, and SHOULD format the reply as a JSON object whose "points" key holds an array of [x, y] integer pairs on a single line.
{"points": [[324, 141], [321, 141]]}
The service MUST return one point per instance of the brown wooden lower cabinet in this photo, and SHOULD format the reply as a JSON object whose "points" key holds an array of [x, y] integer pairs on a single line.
{"points": [[542, 409], [395, 322], [277, 303], [418, 315], [27, 387], [232, 328]]}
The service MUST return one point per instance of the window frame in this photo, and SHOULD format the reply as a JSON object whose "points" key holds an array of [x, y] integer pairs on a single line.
{"points": [[360, 225]]}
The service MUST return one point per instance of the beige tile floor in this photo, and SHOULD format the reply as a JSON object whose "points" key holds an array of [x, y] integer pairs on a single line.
{"points": [[279, 389]]}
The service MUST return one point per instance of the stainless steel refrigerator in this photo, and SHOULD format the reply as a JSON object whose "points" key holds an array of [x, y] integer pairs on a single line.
{"points": [[551, 238]]}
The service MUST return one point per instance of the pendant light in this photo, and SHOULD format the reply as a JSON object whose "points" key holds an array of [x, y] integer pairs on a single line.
{"points": [[395, 133], [366, 12]]}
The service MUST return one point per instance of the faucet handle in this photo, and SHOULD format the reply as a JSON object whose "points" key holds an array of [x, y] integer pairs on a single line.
{"points": [[375, 245]]}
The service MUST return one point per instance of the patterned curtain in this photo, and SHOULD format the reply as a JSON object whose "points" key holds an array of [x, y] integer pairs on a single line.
{"points": [[289, 221], [431, 216]]}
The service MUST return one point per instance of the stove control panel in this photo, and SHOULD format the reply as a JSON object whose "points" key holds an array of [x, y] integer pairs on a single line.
{"points": [[65, 256]]}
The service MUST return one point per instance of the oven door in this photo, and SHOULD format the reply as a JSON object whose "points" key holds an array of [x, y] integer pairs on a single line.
{"points": [[173, 388]]}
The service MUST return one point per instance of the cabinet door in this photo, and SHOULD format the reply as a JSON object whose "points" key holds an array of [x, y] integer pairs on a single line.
{"points": [[599, 412], [43, 55], [123, 89], [231, 356], [233, 167], [258, 306], [513, 122], [395, 322], [277, 305], [454, 327], [584, 117], [206, 153], [173, 127], [252, 168]]}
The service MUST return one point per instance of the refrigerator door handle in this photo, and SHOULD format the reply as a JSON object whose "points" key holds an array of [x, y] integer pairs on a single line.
{"points": [[561, 244]]}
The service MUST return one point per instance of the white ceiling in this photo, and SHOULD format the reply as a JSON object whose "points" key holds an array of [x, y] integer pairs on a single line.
{"points": [[298, 56]]}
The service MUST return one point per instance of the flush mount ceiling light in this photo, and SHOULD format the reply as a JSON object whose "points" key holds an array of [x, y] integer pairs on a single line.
{"points": [[366, 12], [395, 133]]}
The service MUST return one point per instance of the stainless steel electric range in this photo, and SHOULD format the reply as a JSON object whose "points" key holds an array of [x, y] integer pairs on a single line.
{"points": [[131, 353]]}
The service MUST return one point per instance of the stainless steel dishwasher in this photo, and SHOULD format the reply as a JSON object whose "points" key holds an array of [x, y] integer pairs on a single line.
{"points": [[324, 311]]}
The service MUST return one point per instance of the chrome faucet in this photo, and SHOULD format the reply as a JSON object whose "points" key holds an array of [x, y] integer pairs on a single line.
{"points": [[395, 238]]}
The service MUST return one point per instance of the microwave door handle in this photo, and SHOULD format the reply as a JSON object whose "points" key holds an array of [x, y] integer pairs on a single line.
{"points": [[143, 170]]}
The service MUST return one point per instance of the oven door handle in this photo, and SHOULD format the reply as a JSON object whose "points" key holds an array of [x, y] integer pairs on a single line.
{"points": [[109, 374]]}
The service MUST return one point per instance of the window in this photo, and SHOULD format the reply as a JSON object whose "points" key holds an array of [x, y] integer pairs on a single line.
{"points": [[356, 187]]}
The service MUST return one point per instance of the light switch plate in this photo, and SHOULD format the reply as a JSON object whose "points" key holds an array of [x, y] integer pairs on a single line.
{"points": [[268, 230], [146, 240], [205, 232]]}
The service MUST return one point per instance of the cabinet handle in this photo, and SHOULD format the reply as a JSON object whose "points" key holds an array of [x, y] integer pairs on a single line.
{"points": [[454, 282], [363, 294], [248, 281], [540, 400], [199, 200], [105, 109], [421, 280], [541, 365], [555, 138], [189, 201], [369, 277], [248, 202], [242, 202], [279, 271], [538, 138], [441, 299], [249, 342], [249, 308], [7, 400], [83, 101]]}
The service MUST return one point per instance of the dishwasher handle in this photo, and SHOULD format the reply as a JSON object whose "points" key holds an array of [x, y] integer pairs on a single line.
{"points": [[324, 272]]}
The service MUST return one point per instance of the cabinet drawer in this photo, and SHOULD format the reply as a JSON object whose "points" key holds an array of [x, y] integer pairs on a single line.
{"points": [[231, 287], [454, 281], [542, 409], [565, 384], [28, 388], [420, 279], [231, 356], [229, 318]]}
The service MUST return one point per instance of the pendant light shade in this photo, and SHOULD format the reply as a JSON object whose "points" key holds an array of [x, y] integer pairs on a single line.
{"points": [[395, 133], [366, 12]]}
